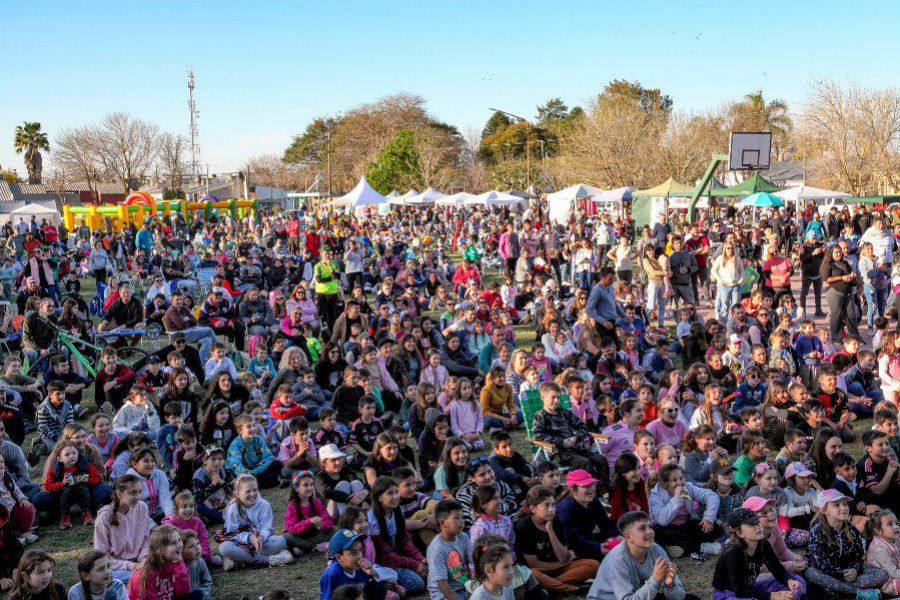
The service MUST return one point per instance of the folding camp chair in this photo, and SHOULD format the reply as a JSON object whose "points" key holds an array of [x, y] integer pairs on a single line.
{"points": [[530, 405]]}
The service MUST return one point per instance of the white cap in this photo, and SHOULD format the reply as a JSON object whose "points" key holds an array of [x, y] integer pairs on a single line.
{"points": [[330, 451]]}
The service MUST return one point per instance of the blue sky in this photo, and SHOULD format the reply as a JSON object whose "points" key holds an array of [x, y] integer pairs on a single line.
{"points": [[265, 69]]}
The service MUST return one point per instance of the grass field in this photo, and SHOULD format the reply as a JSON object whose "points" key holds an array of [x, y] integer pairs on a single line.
{"points": [[302, 577]]}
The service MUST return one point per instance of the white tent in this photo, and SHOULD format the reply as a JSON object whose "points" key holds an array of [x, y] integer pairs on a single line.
{"points": [[427, 197], [560, 203], [404, 199], [361, 196], [808, 192], [494, 198], [39, 211], [457, 199]]}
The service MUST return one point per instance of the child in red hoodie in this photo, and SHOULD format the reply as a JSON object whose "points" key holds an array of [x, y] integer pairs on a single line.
{"points": [[306, 520], [283, 408], [71, 478], [162, 575]]}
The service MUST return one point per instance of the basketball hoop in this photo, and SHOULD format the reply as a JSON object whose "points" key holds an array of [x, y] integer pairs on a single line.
{"points": [[749, 150]]}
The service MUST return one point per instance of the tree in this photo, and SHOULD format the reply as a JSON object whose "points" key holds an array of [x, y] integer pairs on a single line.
{"points": [[77, 152], [173, 162], [753, 113], [496, 123], [30, 140], [128, 148], [396, 166], [10, 177], [553, 110], [650, 101], [850, 135], [309, 147]]}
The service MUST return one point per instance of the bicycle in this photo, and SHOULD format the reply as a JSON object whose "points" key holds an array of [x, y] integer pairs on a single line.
{"points": [[127, 355]]}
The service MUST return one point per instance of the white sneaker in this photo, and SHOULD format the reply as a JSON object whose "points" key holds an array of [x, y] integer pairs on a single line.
{"points": [[29, 538], [711, 548], [282, 558], [227, 564]]}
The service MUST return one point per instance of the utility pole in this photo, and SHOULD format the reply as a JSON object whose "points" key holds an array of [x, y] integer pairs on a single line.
{"points": [[247, 184], [207, 179], [528, 127], [328, 150]]}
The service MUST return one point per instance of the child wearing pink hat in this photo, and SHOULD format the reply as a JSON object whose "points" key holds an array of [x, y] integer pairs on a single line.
{"points": [[589, 529]]}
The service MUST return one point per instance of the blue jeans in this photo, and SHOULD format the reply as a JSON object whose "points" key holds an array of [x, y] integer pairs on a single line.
{"points": [[655, 299], [211, 515], [313, 409], [205, 335], [48, 503], [726, 297], [492, 422], [273, 545], [409, 579], [875, 300], [584, 279]]}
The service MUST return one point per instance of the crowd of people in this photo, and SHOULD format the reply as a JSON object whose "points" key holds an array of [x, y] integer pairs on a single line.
{"points": [[458, 404]]}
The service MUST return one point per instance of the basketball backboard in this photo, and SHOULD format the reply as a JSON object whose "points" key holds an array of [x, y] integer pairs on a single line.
{"points": [[749, 150]]}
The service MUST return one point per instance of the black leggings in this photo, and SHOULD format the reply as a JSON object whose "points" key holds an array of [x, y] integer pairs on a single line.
{"points": [[816, 285], [687, 536]]}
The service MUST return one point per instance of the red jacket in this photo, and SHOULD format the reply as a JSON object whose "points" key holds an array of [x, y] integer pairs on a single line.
{"points": [[297, 518], [277, 411], [57, 473]]}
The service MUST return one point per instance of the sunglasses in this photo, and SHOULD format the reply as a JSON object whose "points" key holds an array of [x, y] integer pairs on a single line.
{"points": [[671, 411]]}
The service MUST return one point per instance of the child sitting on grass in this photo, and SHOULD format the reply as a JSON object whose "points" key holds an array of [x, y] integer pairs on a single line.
{"points": [[71, 478], [248, 453]]}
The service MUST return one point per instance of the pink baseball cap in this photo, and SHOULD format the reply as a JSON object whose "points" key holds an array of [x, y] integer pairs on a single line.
{"points": [[798, 468], [579, 477], [756, 504]]}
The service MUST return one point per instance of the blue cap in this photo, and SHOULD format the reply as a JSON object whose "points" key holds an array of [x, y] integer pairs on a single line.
{"points": [[342, 540]]}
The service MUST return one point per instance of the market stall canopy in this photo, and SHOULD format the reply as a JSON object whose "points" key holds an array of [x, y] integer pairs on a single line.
{"points": [[618, 194], [873, 200], [808, 192], [521, 194], [494, 198], [404, 199], [38, 211], [427, 197], [761, 199], [457, 199], [751, 185], [393, 194], [362, 195], [667, 189], [560, 204]]}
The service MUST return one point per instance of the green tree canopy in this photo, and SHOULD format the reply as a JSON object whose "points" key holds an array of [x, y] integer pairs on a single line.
{"points": [[649, 100], [496, 123], [552, 110], [310, 146], [397, 164]]}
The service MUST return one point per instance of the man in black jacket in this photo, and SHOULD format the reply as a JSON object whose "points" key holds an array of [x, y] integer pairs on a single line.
{"points": [[125, 312], [683, 266]]}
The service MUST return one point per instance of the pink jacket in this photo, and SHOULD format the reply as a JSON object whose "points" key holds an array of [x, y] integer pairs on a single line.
{"points": [[436, 376], [193, 524], [126, 543], [466, 417], [298, 523], [167, 583], [386, 379], [503, 246]]}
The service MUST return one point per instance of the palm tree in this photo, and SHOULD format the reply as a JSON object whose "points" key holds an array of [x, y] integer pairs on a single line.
{"points": [[753, 113], [31, 140]]}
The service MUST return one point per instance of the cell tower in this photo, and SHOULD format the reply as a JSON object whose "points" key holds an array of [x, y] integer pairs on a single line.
{"points": [[195, 135]]}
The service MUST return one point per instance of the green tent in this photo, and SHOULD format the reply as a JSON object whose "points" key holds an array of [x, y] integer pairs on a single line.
{"points": [[754, 184], [667, 189]]}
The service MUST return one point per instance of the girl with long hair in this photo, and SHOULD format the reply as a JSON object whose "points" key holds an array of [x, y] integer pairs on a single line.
{"points": [[33, 579], [95, 579], [393, 546], [163, 574], [826, 444], [628, 491], [217, 427], [248, 537], [306, 520], [122, 529], [451, 471]]}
